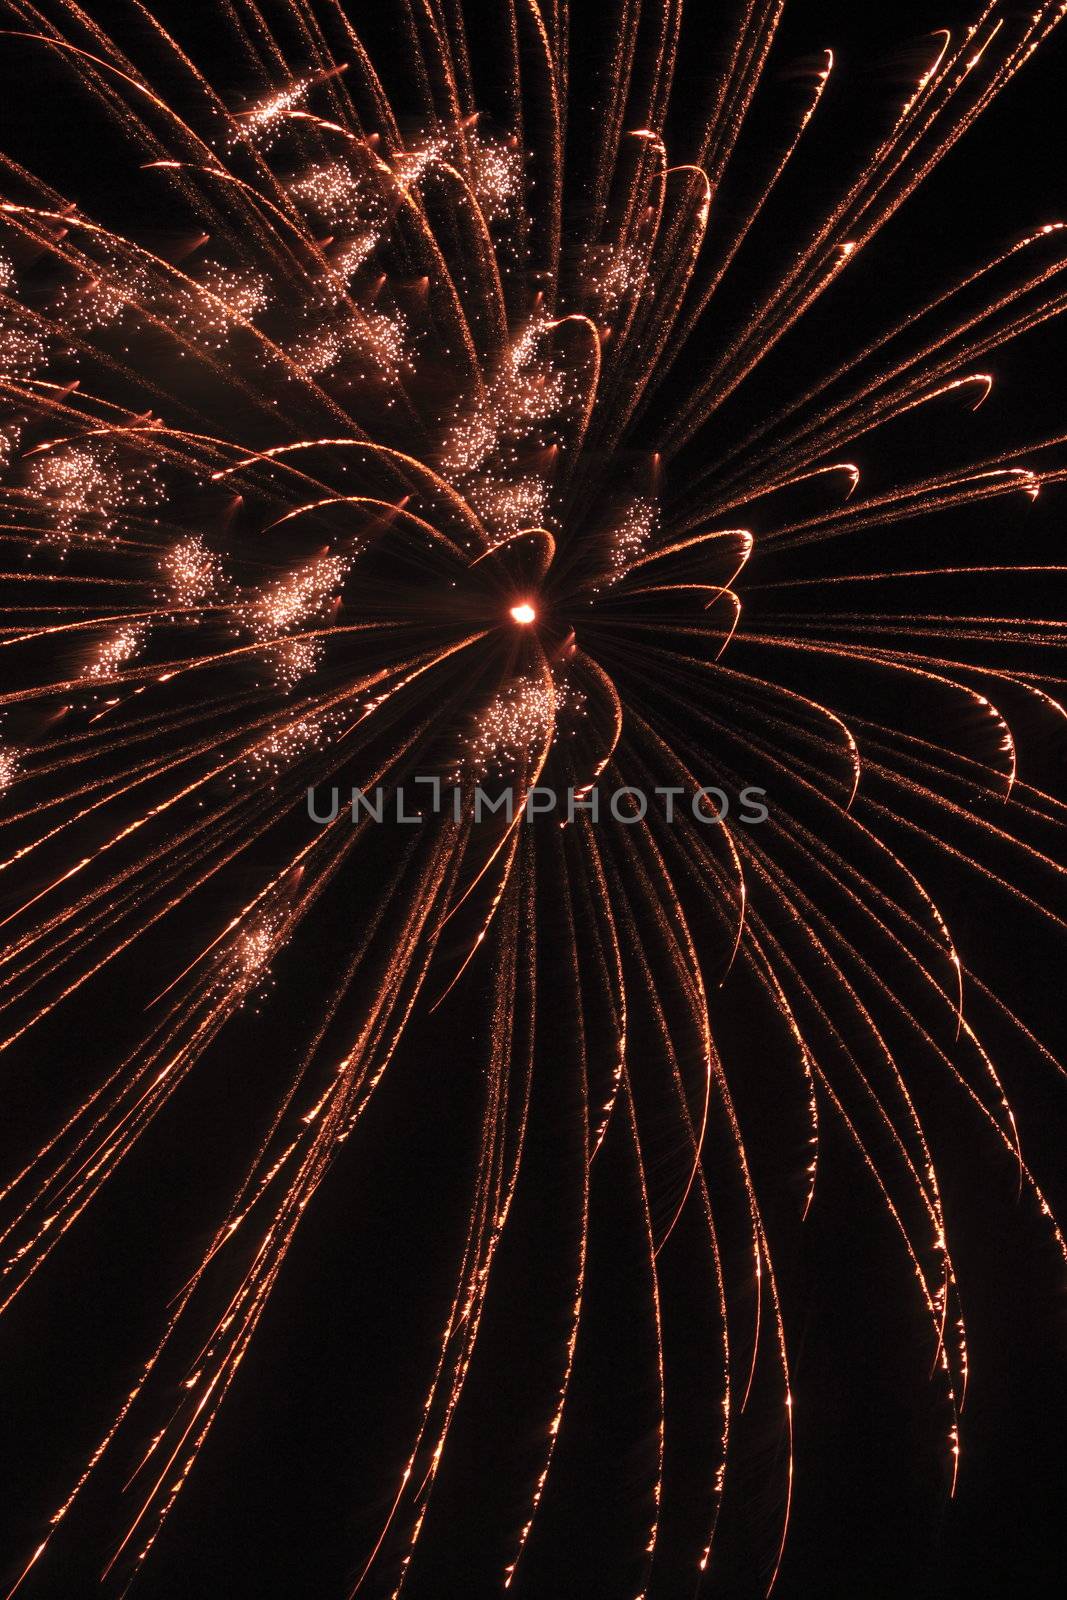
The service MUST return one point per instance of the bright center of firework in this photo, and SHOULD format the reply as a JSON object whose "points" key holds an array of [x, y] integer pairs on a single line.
{"points": [[524, 612]]}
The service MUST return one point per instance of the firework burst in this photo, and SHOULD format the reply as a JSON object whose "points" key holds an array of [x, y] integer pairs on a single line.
{"points": [[417, 448]]}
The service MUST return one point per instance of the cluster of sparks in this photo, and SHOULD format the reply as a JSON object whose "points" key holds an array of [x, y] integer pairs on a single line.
{"points": [[519, 719], [119, 647], [275, 614], [193, 573], [85, 488], [9, 766], [224, 295], [632, 535], [493, 448], [402, 440], [288, 742]]}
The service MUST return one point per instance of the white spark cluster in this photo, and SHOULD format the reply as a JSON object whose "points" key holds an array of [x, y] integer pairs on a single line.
{"points": [[266, 119], [294, 659], [299, 597], [22, 351], [513, 725], [192, 572], [484, 446], [374, 341], [508, 504], [230, 294], [631, 536], [118, 648], [497, 173], [9, 767], [517, 722], [255, 947], [409, 166], [613, 273], [285, 606], [353, 253], [244, 966], [85, 486], [288, 742], [106, 298], [333, 192]]}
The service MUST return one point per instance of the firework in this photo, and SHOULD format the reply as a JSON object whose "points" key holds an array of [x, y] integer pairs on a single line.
{"points": [[416, 446]]}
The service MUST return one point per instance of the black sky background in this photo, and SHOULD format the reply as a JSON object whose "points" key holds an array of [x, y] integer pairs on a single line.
{"points": [[290, 1484]]}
